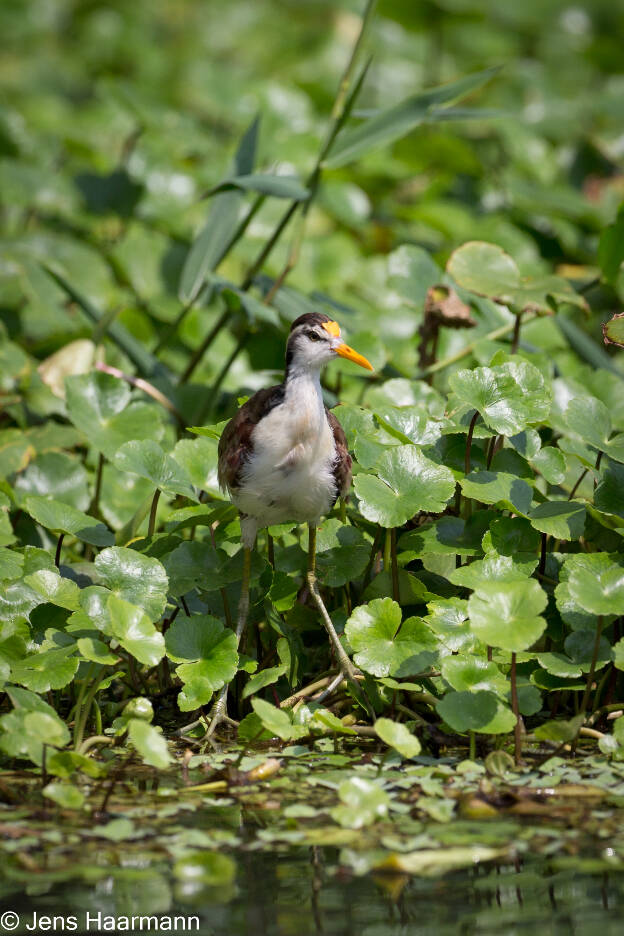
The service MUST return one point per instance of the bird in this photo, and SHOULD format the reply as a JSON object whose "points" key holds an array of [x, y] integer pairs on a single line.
{"points": [[283, 457]]}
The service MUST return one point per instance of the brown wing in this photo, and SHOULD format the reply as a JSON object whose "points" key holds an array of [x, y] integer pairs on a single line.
{"points": [[342, 464], [236, 442]]}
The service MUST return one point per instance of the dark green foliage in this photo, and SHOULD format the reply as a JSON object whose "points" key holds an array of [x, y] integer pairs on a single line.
{"points": [[477, 572]]}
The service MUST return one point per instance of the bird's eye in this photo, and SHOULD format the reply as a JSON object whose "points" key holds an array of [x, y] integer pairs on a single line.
{"points": [[313, 336]]}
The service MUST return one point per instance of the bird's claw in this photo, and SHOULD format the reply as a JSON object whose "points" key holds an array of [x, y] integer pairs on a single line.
{"points": [[218, 715]]}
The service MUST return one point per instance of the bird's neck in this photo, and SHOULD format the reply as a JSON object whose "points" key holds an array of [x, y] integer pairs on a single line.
{"points": [[302, 388]]}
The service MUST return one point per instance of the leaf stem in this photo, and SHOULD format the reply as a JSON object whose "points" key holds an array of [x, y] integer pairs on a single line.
{"points": [[143, 385], [469, 348], [575, 488], [152, 517], [199, 352], [592, 668], [515, 340], [374, 550], [396, 593], [542, 563], [516, 710], [387, 560], [57, 556], [469, 442], [95, 503]]}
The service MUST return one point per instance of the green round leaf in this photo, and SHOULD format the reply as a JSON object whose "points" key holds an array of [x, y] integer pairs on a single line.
{"points": [[149, 743], [494, 568], [471, 673], [508, 396], [397, 736], [207, 654], [137, 579], [277, 721], [363, 802], [447, 536], [476, 711], [579, 646], [60, 517], [550, 463], [596, 582], [96, 651], [46, 728], [406, 483], [609, 495], [385, 648], [198, 458], [589, 418], [46, 669], [342, 553], [138, 707], [488, 271], [64, 794], [52, 588], [485, 269], [508, 614], [147, 459], [497, 487], [100, 406], [58, 476], [135, 632]]}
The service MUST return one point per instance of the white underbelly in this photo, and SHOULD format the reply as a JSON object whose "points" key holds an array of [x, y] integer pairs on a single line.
{"points": [[289, 476]]}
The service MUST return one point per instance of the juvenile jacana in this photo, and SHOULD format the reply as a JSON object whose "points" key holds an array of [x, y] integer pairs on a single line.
{"points": [[284, 458]]}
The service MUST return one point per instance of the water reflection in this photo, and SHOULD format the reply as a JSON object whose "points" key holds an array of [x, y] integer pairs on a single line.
{"points": [[303, 892]]}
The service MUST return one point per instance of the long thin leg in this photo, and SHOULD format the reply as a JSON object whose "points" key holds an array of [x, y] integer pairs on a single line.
{"points": [[218, 713], [348, 670]]}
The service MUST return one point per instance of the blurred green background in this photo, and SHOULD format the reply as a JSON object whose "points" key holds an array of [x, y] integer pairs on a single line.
{"points": [[116, 117]]}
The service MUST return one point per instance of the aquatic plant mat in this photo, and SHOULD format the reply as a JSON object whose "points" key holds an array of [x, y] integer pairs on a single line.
{"points": [[326, 837]]}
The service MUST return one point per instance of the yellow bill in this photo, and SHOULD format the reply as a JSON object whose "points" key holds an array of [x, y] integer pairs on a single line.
{"points": [[333, 328], [346, 352]]}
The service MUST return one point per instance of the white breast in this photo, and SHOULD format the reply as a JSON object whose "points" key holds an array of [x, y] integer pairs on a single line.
{"points": [[289, 476]]}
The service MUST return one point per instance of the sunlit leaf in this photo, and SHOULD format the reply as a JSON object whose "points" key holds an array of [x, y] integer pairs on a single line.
{"points": [[479, 711], [405, 483], [147, 459], [508, 614], [150, 743], [62, 518], [100, 406], [391, 124], [135, 632], [385, 647], [397, 736], [137, 579], [509, 396]]}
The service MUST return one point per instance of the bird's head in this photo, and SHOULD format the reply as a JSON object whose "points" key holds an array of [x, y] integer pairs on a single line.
{"points": [[314, 340]]}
